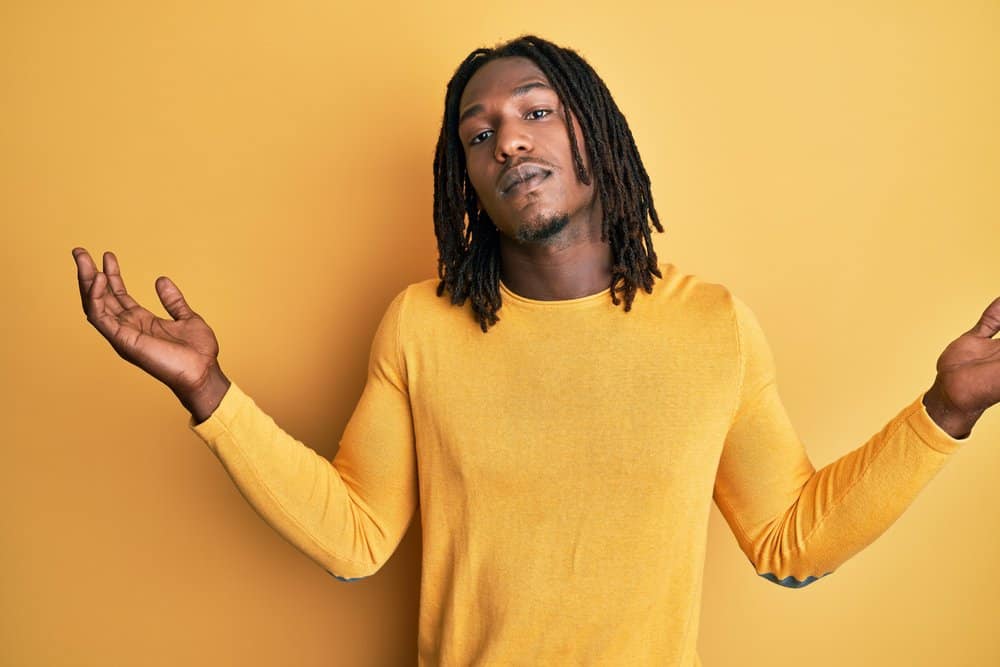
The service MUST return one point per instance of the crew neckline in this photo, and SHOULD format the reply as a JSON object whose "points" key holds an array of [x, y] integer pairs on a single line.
{"points": [[555, 303]]}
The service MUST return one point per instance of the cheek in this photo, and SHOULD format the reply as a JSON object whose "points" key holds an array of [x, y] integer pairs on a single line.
{"points": [[479, 180]]}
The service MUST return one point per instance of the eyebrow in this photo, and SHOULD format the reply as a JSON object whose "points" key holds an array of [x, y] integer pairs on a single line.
{"points": [[523, 89]]}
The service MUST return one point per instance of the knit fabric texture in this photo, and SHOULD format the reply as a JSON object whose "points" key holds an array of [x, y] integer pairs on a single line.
{"points": [[562, 467]]}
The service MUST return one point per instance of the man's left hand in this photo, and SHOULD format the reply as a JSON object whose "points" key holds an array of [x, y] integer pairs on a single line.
{"points": [[968, 376]]}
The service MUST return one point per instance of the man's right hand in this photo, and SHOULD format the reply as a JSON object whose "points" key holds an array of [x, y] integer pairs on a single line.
{"points": [[182, 352]]}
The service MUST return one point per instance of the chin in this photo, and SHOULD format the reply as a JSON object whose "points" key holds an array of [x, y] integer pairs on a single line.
{"points": [[542, 229]]}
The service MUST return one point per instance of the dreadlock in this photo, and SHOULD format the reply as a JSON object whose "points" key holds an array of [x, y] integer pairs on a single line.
{"points": [[469, 252]]}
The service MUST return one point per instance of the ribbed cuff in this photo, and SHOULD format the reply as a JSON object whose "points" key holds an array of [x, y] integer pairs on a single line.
{"points": [[927, 429], [225, 413]]}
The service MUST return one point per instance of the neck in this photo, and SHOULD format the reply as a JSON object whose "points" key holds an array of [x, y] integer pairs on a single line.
{"points": [[572, 264]]}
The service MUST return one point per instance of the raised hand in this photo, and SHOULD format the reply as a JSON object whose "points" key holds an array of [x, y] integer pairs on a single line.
{"points": [[181, 352], [968, 376]]}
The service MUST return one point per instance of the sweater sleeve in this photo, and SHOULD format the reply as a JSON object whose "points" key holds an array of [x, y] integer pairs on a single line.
{"points": [[348, 514], [797, 524]]}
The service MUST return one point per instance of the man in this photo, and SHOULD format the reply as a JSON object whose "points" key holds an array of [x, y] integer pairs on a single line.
{"points": [[561, 406]]}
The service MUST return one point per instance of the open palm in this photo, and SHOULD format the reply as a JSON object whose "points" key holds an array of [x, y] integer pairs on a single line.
{"points": [[179, 352]]}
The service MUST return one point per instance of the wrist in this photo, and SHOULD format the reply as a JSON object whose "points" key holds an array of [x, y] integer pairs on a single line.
{"points": [[949, 419], [202, 400]]}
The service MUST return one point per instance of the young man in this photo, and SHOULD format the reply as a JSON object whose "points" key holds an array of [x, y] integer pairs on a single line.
{"points": [[561, 406]]}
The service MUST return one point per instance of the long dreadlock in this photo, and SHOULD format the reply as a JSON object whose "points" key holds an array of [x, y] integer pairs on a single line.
{"points": [[469, 252]]}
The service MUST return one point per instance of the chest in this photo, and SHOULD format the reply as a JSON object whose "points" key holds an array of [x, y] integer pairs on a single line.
{"points": [[647, 409]]}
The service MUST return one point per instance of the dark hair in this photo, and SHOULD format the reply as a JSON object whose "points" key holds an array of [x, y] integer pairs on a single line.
{"points": [[468, 242]]}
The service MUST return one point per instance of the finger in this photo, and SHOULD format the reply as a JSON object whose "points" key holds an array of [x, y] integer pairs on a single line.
{"points": [[85, 272], [989, 324], [96, 308], [172, 299], [115, 282], [110, 302]]}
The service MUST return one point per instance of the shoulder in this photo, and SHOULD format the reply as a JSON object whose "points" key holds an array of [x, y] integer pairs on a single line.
{"points": [[421, 299], [714, 310], [418, 307], [690, 292], [423, 293]]}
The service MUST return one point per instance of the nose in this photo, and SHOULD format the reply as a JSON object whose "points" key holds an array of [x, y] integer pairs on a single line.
{"points": [[511, 140]]}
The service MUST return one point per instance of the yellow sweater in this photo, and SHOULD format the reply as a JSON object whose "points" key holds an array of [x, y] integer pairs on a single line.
{"points": [[564, 464]]}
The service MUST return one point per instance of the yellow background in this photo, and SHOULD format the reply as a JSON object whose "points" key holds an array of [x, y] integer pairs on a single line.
{"points": [[834, 164]]}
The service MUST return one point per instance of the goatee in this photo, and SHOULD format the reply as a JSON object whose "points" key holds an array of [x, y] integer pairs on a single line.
{"points": [[544, 231]]}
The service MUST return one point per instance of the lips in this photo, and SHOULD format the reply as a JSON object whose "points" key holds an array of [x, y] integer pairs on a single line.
{"points": [[522, 173]]}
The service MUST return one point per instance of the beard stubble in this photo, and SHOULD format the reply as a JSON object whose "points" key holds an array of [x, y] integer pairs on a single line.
{"points": [[547, 229]]}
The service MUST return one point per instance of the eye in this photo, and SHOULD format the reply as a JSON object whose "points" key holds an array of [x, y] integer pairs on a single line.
{"points": [[480, 137], [539, 113]]}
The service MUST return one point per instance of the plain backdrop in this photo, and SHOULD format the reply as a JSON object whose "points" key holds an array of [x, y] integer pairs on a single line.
{"points": [[834, 164]]}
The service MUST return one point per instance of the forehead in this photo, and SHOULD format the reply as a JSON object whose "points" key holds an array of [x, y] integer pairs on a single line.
{"points": [[500, 77]]}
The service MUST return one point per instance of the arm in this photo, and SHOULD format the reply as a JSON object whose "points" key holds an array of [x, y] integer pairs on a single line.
{"points": [[797, 524], [350, 514]]}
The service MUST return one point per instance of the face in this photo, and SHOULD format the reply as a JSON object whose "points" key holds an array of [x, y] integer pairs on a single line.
{"points": [[517, 152]]}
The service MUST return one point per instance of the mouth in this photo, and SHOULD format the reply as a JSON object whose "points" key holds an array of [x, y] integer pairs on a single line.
{"points": [[523, 177]]}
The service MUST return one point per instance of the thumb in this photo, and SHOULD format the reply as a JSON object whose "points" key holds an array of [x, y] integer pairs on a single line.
{"points": [[989, 324], [172, 299]]}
